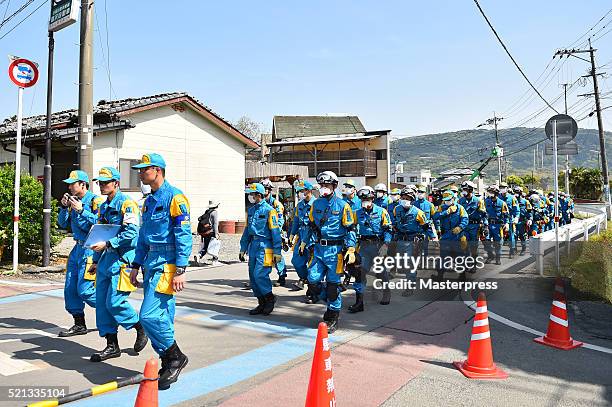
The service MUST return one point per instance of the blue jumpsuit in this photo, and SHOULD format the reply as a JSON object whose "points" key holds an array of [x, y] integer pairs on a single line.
{"points": [[538, 217], [513, 213], [113, 284], [522, 229], [477, 215], [373, 229], [550, 208], [497, 217], [429, 209], [261, 239], [564, 211], [410, 225], [383, 202], [280, 210], [79, 286], [164, 243], [299, 228], [450, 241], [331, 221]]}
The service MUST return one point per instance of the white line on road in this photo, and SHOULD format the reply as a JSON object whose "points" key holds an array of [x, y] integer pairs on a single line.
{"points": [[29, 334], [18, 283], [10, 366]]}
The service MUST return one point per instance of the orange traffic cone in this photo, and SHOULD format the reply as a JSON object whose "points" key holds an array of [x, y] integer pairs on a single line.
{"points": [[321, 390], [558, 335], [147, 392], [479, 363]]}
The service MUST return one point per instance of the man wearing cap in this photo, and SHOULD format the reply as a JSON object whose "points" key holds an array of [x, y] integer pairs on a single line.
{"points": [[261, 241], [453, 220], [506, 194], [498, 220], [381, 199], [299, 228], [349, 194], [477, 215], [111, 260], [332, 227], [280, 210], [524, 218], [78, 212], [163, 250]]}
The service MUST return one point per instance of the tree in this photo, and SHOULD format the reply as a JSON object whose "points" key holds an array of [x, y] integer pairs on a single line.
{"points": [[532, 181], [250, 128], [585, 182], [515, 180]]}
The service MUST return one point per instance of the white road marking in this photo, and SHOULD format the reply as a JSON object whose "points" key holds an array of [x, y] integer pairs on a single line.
{"points": [[18, 283], [10, 366], [29, 334]]}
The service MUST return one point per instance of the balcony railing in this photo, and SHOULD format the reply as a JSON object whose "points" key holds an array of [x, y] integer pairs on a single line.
{"points": [[345, 163]]}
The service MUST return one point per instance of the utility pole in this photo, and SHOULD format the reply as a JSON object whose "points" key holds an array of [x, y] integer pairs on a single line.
{"points": [[493, 122], [567, 167], [602, 142], [46, 249], [85, 153]]}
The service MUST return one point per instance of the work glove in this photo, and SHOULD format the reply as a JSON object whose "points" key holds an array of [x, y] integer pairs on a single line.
{"points": [[456, 230], [291, 240], [451, 209], [349, 257], [302, 248], [506, 227], [241, 256], [384, 249], [277, 258]]}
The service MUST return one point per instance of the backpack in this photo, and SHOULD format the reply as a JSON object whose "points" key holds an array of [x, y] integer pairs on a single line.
{"points": [[205, 228]]}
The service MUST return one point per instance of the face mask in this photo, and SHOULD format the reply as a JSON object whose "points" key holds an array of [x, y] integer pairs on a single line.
{"points": [[145, 189], [421, 195], [324, 191], [395, 198], [464, 193], [489, 195], [366, 204], [300, 195], [251, 199], [503, 190], [380, 194], [347, 191], [405, 203]]}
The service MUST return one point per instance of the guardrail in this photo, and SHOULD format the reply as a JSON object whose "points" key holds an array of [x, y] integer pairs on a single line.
{"points": [[544, 243]]}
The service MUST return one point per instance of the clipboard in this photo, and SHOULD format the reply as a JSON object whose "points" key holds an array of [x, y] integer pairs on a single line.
{"points": [[101, 233]]}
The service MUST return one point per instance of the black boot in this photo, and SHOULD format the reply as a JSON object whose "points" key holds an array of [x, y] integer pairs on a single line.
{"points": [[386, 297], [268, 305], [523, 248], [175, 362], [258, 309], [490, 258], [511, 255], [358, 306], [282, 280], [141, 338], [79, 327], [331, 320], [497, 259], [112, 349], [312, 294], [299, 285]]}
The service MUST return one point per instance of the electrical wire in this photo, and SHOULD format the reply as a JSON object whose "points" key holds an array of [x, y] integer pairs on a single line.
{"points": [[25, 18], [19, 10]]}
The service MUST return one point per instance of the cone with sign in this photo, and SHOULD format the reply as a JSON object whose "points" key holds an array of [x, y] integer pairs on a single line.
{"points": [[321, 390], [147, 392], [479, 363], [558, 334]]}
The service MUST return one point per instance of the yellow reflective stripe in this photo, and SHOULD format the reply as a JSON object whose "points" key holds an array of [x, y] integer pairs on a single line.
{"points": [[46, 403], [432, 210], [175, 205], [462, 211], [347, 215], [385, 217], [310, 213], [103, 388], [272, 219], [504, 208], [421, 217], [128, 203]]}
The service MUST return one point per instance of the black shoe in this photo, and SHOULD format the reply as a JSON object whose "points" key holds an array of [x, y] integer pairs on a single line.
{"points": [[164, 364], [358, 306], [522, 253], [299, 285], [386, 297], [259, 308], [176, 361], [489, 259], [282, 280], [112, 350], [511, 254], [268, 305], [79, 327], [497, 261], [331, 320], [141, 338], [312, 294]]}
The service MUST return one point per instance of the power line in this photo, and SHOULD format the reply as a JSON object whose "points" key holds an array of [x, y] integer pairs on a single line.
{"points": [[512, 58], [19, 10], [25, 18], [589, 30], [6, 9], [105, 59]]}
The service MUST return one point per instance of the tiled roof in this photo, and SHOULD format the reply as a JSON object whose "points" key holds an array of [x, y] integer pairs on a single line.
{"points": [[308, 126]]}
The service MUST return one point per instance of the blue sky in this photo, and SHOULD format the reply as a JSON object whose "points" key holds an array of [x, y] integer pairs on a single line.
{"points": [[412, 67]]}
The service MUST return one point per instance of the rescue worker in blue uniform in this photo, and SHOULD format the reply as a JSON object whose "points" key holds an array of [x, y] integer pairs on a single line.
{"points": [[564, 210], [410, 227], [261, 241], [498, 220], [349, 194], [332, 225], [524, 219], [428, 209], [477, 215], [110, 262], [374, 232], [382, 199], [506, 194], [395, 198], [538, 213], [453, 220], [163, 250], [280, 211], [299, 229], [550, 207], [78, 212]]}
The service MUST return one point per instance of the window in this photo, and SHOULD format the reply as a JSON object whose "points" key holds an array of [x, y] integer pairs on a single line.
{"points": [[129, 177], [424, 179], [381, 154], [413, 179], [400, 179]]}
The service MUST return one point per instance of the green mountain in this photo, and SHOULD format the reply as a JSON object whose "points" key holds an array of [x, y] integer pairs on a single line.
{"points": [[466, 148]]}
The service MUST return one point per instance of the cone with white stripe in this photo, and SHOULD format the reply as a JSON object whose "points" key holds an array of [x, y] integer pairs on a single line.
{"points": [[479, 363], [558, 334]]}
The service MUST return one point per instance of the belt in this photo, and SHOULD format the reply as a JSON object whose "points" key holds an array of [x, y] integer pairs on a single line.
{"points": [[329, 242], [261, 239], [161, 247], [371, 238]]}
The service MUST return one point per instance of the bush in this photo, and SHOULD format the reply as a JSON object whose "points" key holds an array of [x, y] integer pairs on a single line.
{"points": [[30, 211]]}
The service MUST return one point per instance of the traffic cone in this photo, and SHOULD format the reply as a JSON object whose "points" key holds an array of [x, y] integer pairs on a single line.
{"points": [[558, 334], [479, 363], [147, 392], [321, 390]]}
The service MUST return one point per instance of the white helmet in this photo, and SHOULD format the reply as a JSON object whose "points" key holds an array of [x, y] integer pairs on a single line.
{"points": [[380, 187], [327, 177], [365, 192]]}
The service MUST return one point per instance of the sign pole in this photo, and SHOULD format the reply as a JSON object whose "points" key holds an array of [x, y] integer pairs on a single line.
{"points": [[17, 180], [556, 180]]}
